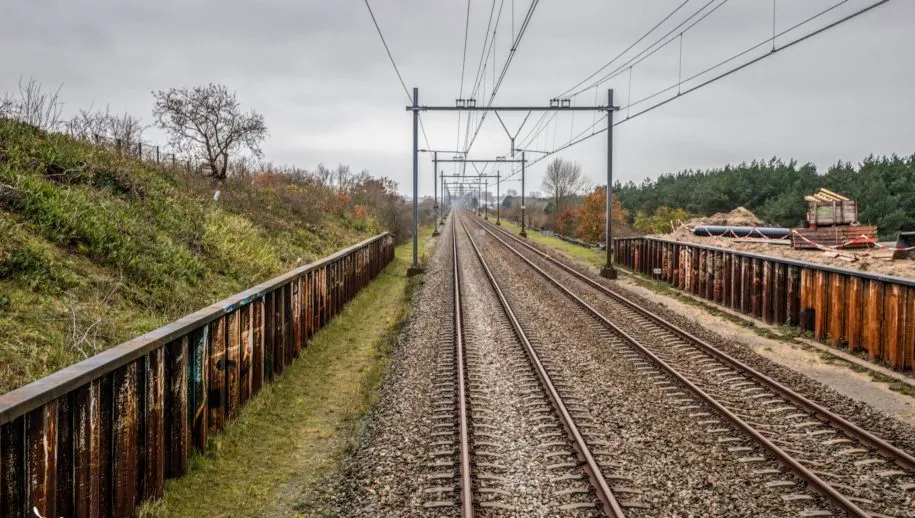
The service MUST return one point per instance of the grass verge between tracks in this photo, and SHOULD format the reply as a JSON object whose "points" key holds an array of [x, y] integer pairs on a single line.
{"points": [[270, 460], [591, 256]]}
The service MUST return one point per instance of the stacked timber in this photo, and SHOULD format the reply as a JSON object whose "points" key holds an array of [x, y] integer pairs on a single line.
{"points": [[845, 236], [832, 221], [826, 208]]}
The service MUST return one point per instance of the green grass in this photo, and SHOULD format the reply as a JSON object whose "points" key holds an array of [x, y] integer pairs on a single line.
{"points": [[96, 249], [591, 256], [270, 461]]}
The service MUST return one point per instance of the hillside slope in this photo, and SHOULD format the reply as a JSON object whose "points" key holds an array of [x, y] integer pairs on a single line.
{"points": [[96, 249]]}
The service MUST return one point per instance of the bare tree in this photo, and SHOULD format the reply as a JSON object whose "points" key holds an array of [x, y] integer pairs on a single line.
{"points": [[126, 130], [563, 180], [33, 105], [206, 122], [87, 125]]}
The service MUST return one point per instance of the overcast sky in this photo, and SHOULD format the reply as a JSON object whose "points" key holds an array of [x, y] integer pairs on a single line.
{"points": [[318, 72]]}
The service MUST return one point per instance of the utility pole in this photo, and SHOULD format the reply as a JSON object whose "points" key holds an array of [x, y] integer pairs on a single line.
{"points": [[442, 212], [414, 268], [498, 197], [523, 163], [608, 271], [486, 194], [435, 192]]}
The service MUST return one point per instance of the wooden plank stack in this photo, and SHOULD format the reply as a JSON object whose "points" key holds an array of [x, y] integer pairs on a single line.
{"points": [[832, 220], [826, 208]]}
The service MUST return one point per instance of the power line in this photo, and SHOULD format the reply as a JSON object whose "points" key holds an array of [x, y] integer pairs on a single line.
{"points": [[397, 70], [463, 63], [511, 54], [630, 47], [580, 138], [532, 135], [655, 47]]}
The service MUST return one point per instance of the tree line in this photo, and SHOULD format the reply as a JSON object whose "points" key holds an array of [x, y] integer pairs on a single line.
{"points": [[774, 190]]}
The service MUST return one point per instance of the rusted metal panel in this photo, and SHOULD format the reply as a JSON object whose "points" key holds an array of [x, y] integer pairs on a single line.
{"points": [[153, 481], [270, 335], [893, 332], [793, 294], [288, 345], [768, 292], [836, 310], [216, 381], [12, 469], [232, 363], [820, 304], [64, 475], [854, 312], [279, 357], [41, 459], [718, 285], [909, 334], [873, 319], [779, 295], [296, 316], [106, 425], [257, 339], [199, 390], [757, 288], [126, 425], [87, 444], [20, 401], [696, 263], [735, 280], [177, 397], [806, 315], [246, 344], [124, 441]]}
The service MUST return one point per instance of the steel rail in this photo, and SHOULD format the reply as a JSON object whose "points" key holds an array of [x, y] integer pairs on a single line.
{"points": [[464, 448], [902, 457], [811, 478], [611, 506]]}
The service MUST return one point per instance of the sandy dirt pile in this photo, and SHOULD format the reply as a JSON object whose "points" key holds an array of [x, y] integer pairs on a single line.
{"points": [[870, 260], [739, 217]]}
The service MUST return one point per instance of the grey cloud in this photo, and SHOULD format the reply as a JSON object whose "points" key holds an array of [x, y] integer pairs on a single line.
{"points": [[320, 75]]}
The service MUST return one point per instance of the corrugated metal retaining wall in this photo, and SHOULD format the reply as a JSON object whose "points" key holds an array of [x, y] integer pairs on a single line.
{"points": [[97, 438], [866, 312]]}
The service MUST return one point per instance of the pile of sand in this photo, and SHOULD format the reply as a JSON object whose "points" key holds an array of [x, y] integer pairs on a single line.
{"points": [[739, 217]]}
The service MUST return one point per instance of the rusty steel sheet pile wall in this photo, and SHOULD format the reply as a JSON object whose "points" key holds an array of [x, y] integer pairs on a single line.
{"points": [[865, 312], [99, 437]]}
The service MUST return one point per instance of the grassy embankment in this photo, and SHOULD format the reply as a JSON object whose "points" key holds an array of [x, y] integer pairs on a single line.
{"points": [[96, 249], [591, 256], [271, 460]]}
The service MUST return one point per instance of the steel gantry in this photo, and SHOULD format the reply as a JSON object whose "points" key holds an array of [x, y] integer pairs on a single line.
{"points": [[497, 176], [557, 105]]}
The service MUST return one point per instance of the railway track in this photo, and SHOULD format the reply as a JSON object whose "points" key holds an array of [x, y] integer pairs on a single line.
{"points": [[766, 423], [519, 447]]}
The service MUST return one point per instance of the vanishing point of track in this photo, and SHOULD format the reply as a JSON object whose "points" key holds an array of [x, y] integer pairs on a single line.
{"points": [[468, 477]]}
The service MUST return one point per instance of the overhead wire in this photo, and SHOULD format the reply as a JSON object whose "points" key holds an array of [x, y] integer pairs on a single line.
{"points": [[581, 137], [396, 69], [463, 63], [508, 60]]}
